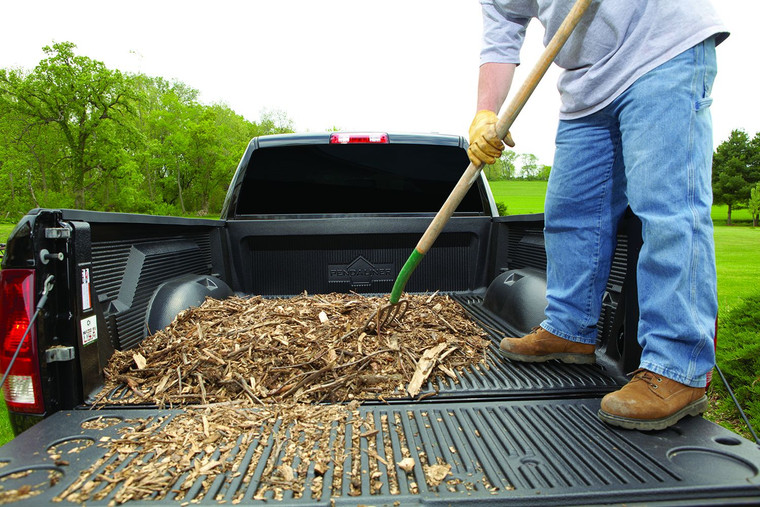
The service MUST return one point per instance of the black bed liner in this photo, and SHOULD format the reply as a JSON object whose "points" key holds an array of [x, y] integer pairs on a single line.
{"points": [[550, 452]]}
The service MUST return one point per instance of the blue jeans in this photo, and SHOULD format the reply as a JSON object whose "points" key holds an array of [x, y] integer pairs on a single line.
{"points": [[651, 149]]}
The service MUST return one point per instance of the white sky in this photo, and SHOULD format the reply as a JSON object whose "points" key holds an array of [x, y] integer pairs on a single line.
{"points": [[394, 65]]}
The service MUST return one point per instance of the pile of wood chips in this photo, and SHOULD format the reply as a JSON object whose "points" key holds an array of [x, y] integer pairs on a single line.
{"points": [[249, 372], [307, 349]]}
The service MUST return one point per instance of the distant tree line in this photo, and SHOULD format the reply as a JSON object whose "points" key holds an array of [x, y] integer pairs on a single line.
{"points": [[76, 134], [506, 168], [736, 174]]}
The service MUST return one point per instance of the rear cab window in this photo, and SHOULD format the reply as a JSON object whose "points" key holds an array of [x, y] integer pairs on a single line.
{"points": [[355, 178]]}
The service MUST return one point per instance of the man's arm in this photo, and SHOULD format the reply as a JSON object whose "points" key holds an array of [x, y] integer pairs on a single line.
{"points": [[494, 81]]}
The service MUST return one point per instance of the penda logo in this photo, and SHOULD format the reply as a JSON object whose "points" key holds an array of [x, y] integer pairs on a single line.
{"points": [[360, 272]]}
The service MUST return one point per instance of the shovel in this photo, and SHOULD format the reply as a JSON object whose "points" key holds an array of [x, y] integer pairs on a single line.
{"points": [[398, 307]]}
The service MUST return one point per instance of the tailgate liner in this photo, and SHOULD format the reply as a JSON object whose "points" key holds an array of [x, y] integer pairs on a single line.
{"points": [[548, 452], [503, 379]]}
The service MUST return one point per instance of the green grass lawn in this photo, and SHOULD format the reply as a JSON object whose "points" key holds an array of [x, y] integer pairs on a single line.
{"points": [[738, 262], [5, 230], [738, 216], [523, 197], [520, 197]]}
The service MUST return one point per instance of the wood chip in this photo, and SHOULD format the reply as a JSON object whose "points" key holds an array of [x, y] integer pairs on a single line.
{"points": [[424, 368], [406, 464], [435, 474], [140, 361], [286, 473]]}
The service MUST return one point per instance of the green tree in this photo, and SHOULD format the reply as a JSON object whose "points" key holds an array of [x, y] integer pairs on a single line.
{"points": [[31, 164], [11, 171], [74, 133], [543, 172], [531, 169], [160, 114], [503, 167], [274, 122], [736, 168], [84, 102], [754, 204], [228, 134], [192, 149]]}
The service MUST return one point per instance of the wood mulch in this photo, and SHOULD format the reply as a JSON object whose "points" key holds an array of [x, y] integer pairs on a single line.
{"points": [[250, 372], [308, 349]]}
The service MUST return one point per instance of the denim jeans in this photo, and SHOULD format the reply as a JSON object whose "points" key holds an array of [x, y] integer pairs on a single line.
{"points": [[650, 149]]}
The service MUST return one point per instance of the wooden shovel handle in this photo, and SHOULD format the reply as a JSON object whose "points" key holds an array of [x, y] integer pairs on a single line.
{"points": [[505, 122], [502, 127]]}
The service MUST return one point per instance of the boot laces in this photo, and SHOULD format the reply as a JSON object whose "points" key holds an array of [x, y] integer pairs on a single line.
{"points": [[648, 377]]}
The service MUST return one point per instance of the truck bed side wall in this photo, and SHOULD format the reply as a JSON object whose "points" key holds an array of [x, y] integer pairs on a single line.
{"points": [[126, 258], [130, 261]]}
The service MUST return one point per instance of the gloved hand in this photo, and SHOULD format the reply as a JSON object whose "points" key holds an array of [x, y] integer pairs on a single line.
{"points": [[485, 146]]}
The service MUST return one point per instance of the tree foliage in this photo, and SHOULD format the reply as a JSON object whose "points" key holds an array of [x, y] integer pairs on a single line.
{"points": [[754, 204], [531, 170], [739, 355], [78, 102], [506, 168], [74, 133], [736, 170], [503, 168]]}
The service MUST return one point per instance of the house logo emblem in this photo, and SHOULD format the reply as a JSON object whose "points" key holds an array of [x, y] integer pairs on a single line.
{"points": [[360, 272]]}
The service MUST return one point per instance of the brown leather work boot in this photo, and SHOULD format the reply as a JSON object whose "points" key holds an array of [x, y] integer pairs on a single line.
{"points": [[651, 402], [540, 345]]}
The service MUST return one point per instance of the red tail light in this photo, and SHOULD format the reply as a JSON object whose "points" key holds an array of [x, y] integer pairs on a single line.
{"points": [[355, 138], [22, 389]]}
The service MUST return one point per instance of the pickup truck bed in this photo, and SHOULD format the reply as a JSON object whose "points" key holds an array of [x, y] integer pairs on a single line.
{"points": [[526, 433]]}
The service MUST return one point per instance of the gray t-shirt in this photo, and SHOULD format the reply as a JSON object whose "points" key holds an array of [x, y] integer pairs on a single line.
{"points": [[615, 43]]}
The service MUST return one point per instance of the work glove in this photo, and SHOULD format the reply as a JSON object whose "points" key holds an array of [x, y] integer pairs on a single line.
{"points": [[485, 146]]}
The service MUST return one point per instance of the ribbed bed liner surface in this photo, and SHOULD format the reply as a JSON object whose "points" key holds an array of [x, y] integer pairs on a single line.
{"points": [[516, 379], [551, 452]]}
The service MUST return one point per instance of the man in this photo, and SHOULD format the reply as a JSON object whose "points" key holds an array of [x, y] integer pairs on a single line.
{"points": [[634, 129]]}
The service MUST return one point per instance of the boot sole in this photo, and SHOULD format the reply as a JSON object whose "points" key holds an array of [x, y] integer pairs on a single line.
{"points": [[694, 408], [565, 358]]}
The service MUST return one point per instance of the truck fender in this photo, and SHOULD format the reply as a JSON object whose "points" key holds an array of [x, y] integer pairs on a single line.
{"points": [[518, 297], [181, 293]]}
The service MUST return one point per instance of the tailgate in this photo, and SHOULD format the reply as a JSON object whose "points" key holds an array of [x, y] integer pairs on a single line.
{"points": [[529, 452]]}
